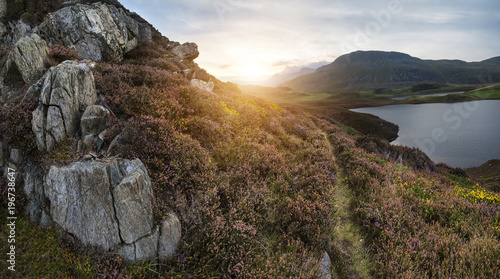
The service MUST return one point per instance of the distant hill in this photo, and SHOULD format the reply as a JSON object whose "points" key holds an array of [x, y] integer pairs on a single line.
{"points": [[375, 69], [287, 75]]}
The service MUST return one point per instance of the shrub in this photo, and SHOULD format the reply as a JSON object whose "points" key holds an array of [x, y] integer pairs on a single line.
{"points": [[15, 124], [60, 53]]}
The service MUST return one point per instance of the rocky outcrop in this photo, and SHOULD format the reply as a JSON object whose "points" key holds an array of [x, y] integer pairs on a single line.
{"points": [[203, 85], [27, 61], [186, 51], [97, 31], [66, 91], [81, 203], [103, 203]]}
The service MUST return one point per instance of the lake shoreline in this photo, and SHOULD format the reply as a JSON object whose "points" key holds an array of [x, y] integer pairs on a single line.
{"points": [[449, 123]]}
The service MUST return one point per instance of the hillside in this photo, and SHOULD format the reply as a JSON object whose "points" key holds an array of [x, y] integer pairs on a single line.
{"points": [[123, 158], [375, 69]]}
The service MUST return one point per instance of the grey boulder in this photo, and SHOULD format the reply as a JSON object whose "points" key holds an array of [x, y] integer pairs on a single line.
{"points": [[94, 120], [325, 266], [81, 203], [170, 236], [67, 89], [186, 51], [104, 203], [98, 31], [27, 61], [85, 202]]}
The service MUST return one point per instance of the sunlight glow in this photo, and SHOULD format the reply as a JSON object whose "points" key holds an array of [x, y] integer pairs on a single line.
{"points": [[252, 70]]}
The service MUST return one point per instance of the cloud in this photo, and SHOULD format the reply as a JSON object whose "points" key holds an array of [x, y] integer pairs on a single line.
{"points": [[281, 63], [273, 35]]}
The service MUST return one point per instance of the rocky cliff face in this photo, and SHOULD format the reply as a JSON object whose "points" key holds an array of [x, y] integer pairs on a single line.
{"points": [[100, 200]]}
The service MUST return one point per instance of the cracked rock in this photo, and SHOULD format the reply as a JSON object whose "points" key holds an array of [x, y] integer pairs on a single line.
{"points": [[85, 203], [81, 203], [98, 31], [67, 89], [134, 204], [107, 204], [27, 61]]}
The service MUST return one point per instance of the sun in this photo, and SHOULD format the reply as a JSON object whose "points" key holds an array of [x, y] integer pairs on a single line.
{"points": [[252, 70]]}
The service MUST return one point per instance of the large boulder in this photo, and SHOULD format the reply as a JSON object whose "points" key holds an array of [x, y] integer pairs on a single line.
{"points": [[107, 203], [27, 61], [186, 51], [66, 91], [98, 31]]}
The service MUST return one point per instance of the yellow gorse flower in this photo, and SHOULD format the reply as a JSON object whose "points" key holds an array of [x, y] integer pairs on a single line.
{"points": [[477, 194]]}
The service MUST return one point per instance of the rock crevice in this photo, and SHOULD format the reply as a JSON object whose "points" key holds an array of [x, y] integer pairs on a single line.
{"points": [[98, 31], [108, 204], [67, 88]]}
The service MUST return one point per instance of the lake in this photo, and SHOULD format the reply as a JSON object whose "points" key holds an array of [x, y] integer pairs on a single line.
{"points": [[425, 95], [460, 135]]}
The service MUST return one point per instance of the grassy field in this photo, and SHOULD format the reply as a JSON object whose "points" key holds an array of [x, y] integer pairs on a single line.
{"points": [[487, 94]]}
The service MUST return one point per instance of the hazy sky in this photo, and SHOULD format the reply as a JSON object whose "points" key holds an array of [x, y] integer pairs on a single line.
{"points": [[257, 37]]}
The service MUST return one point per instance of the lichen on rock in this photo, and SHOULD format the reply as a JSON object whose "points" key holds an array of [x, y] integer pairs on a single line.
{"points": [[66, 91], [98, 31]]}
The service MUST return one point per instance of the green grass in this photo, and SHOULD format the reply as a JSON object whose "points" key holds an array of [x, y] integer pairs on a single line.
{"points": [[350, 255], [452, 98], [487, 94]]}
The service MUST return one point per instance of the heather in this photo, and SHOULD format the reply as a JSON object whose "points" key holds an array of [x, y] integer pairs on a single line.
{"points": [[263, 190], [422, 224]]}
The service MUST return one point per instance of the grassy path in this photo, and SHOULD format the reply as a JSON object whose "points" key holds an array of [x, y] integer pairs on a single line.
{"points": [[350, 258]]}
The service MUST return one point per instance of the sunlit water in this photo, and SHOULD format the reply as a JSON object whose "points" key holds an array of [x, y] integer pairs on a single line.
{"points": [[460, 135], [426, 95]]}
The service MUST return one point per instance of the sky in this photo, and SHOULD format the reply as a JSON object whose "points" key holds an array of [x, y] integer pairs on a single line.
{"points": [[254, 39]]}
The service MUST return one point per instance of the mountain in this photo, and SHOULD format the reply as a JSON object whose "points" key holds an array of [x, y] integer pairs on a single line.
{"points": [[376, 69], [287, 75]]}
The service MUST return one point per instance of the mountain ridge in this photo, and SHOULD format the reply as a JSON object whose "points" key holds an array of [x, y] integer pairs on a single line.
{"points": [[362, 70]]}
